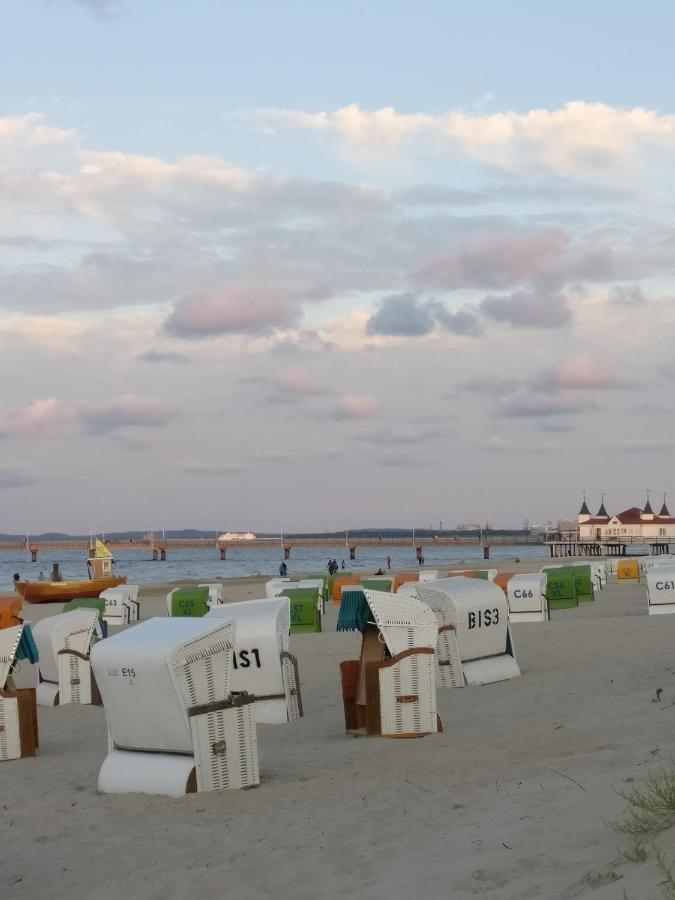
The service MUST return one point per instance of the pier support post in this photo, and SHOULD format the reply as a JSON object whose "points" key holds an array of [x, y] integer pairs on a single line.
{"points": [[162, 554], [352, 552], [223, 552], [155, 554], [33, 555], [486, 551], [287, 552]]}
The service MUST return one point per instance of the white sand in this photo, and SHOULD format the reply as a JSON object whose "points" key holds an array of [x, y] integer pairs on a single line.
{"points": [[510, 802]]}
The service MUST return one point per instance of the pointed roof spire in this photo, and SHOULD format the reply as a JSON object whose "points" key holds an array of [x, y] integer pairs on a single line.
{"points": [[584, 511], [664, 508], [602, 512], [648, 507]]}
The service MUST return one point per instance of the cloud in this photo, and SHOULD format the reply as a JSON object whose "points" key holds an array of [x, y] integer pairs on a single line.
{"points": [[533, 407], [402, 315], [231, 311], [496, 443], [127, 412], [642, 445], [405, 315], [166, 356], [356, 406], [42, 418], [14, 478], [492, 385], [295, 382], [401, 460], [211, 469], [529, 309], [403, 435], [627, 295], [497, 259], [576, 138], [29, 132], [581, 373]]}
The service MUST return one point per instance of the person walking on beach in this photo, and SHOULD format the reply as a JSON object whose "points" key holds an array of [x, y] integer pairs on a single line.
{"points": [[343, 564], [389, 562], [283, 568]]}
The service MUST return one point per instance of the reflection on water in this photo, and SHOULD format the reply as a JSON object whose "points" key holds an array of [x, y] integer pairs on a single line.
{"points": [[207, 565]]}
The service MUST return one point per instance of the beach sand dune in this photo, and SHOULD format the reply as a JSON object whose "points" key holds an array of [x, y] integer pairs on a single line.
{"points": [[509, 802]]}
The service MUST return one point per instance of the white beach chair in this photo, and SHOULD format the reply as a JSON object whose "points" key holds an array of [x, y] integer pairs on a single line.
{"points": [[395, 696], [660, 590], [275, 586], [474, 640], [215, 594], [121, 604], [174, 727], [18, 716], [428, 574], [526, 598], [262, 665], [64, 644]]}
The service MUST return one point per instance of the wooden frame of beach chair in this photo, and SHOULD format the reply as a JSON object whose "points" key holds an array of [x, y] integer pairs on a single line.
{"points": [[262, 665], [18, 713], [404, 578], [10, 611], [475, 645], [661, 590], [174, 725], [393, 697], [64, 644], [526, 598]]}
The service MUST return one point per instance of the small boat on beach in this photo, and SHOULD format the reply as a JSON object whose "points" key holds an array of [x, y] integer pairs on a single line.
{"points": [[61, 591], [100, 579]]}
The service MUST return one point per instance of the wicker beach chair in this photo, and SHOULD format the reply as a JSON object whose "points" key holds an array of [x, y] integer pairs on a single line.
{"points": [[390, 691], [174, 725], [262, 665], [660, 590], [64, 644], [187, 602], [275, 586], [18, 714], [117, 606], [215, 594], [526, 597], [474, 638]]}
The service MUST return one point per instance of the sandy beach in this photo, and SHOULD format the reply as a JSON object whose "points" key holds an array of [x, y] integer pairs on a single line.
{"points": [[511, 801]]}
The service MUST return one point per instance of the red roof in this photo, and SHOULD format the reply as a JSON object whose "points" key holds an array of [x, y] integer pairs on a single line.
{"points": [[632, 516]]}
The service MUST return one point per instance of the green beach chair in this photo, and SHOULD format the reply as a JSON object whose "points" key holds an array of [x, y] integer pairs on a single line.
{"points": [[376, 584], [305, 612], [189, 602], [583, 582], [561, 588]]}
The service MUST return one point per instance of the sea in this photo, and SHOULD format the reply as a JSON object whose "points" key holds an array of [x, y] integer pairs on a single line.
{"points": [[206, 565]]}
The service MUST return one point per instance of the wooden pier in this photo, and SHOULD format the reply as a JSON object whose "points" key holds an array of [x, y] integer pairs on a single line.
{"points": [[158, 548], [559, 549]]}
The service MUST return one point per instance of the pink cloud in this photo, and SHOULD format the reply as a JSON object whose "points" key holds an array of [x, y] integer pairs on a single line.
{"points": [[42, 418], [496, 260], [357, 406], [297, 382], [231, 311], [582, 373]]}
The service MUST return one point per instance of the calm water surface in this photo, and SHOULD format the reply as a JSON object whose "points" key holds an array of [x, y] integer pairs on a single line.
{"points": [[139, 567]]}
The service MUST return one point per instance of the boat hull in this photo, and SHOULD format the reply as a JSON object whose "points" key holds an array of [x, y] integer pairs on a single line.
{"points": [[61, 591]]}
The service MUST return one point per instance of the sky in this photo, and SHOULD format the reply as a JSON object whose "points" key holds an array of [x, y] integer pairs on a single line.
{"points": [[300, 265]]}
